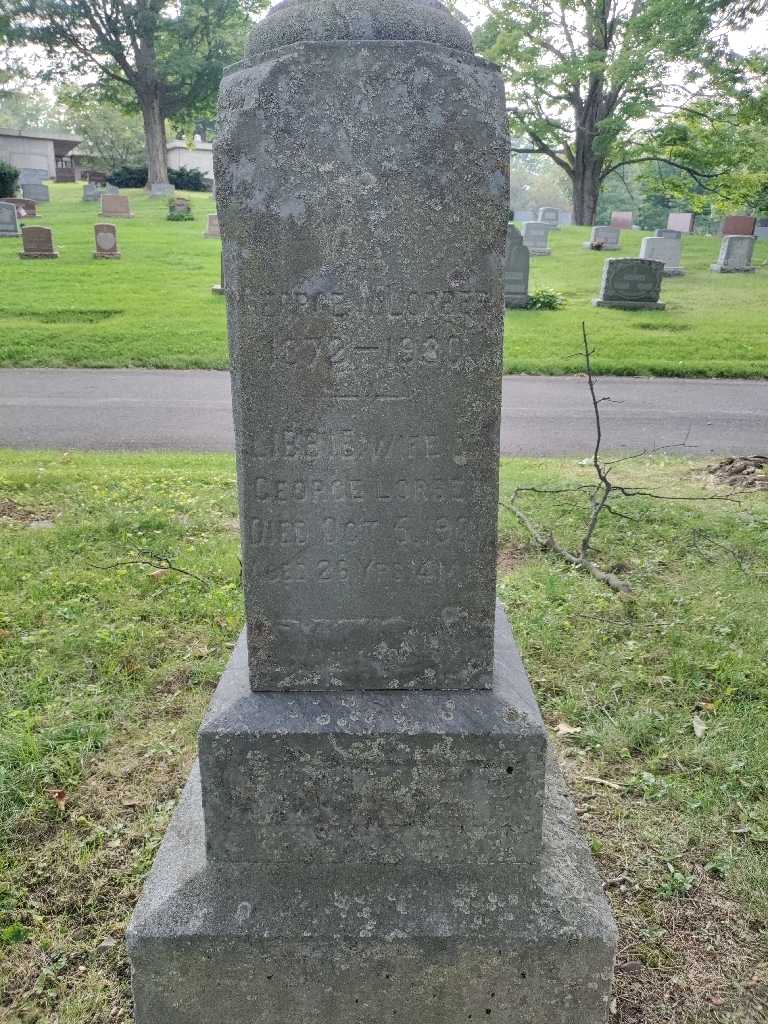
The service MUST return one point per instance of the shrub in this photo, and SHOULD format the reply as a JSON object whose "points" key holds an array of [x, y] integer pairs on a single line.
{"points": [[545, 298], [9, 178], [128, 177], [190, 179]]}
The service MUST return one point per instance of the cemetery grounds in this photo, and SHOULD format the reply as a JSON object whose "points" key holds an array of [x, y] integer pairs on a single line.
{"points": [[120, 599], [154, 307]]}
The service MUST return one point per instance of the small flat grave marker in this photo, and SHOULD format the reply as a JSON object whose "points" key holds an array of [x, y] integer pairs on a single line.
{"points": [[115, 206], [668, 250], [9, 224], [106, 242], [631, 284], [735, 255], [38, 244]]}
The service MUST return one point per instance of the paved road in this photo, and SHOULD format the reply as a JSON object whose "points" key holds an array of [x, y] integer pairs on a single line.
{"points": [[190, 410]]}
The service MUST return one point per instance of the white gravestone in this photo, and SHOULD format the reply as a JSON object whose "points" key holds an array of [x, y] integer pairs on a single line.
{"points": [[667, 250], [735, 255]]}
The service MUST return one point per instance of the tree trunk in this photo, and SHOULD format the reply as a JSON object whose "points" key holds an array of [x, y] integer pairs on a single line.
{"points": [[154, 135], [586, 193]]}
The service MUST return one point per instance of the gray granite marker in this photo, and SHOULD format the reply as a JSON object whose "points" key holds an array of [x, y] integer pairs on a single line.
{"points": [[373, 832], [550, 216], [669, 233], [604, 238], [735, 255], [33, 175], [517, 268], [9, 224], [665, 248], [36, 192], [631, 284], [536, 238]]}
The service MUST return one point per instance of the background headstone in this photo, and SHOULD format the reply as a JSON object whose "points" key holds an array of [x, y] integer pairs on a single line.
{"points": [[218, 289], [37, 193], [111, 190], [180, 205], [605, 236], [97, 178], [761, 231], [161, 191], [9, 225], [683, 222], [25, 208], [550, 215], [115, 206], [521, 216], [738, 224], [212, 229], [669, 233], [667, 250], [631, 284], [91, 193], [365, 840], [622, 219], [33, 175], [735, 255], [517, 267], [38, 244], [106, 242], [536, 238]]}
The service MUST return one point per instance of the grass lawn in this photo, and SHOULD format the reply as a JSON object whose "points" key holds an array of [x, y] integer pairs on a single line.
{"points": [[659, 706], [155, 308]]}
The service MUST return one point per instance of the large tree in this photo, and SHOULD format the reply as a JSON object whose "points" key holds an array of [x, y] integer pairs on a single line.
{"points": [[585, 77], [165, 59]]}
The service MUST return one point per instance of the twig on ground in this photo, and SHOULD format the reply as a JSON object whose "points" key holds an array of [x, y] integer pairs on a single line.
{"points": [[154, 561]]}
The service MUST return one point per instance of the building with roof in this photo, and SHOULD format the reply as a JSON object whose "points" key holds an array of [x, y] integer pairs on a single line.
{"points": [[33, 148]]}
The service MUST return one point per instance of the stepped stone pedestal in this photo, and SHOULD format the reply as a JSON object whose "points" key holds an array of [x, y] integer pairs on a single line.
{"points": [[374, 830]]}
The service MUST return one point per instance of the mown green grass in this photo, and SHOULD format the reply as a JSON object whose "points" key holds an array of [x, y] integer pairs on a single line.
{"points": [[154, 308], [105, 670]]}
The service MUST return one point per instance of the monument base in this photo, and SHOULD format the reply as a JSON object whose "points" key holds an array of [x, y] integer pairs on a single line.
{"points": [[217, 289], [38, 255], [606, 304], [673, 272], [539, 252], [718, 268], [343, 944], [107, 255], [516, 302]]}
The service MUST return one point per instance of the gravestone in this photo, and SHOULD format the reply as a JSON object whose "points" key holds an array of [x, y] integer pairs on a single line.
{"points": [[550, 215], [96, 178], [668, 233], [374, 832], [624, 220], [111, 190], [517, 268], [522, 216], [37, 193], [38, 244], [667, 250], [33, 175], [735, 255], [115, 206], [761, 231], [605, 238], [683, 222], [9, 224], [180, 205], [91, 194], [738, 224], [218, 289], [26, 209], [161, 191], [631, 284], [212, 229], [536, 238], [106, 242]]}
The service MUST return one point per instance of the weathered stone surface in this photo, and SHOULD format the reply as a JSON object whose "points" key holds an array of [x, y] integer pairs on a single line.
{"points": [[623, 220], [37, 193], [375, 777], [536, 238], [91, 193], [604, 237], [666, 249], [9, 224], [366, 320], [735, 255], [631, 284], [550, 216], [212, 229], [38, 244], [278, 944], [683, 222], [106, 242], [33, 175], [517, 269], [115, 206], [111, 190]]}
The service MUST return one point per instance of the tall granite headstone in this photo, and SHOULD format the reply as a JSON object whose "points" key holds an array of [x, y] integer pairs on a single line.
{"points": [[517, 269], [536, 238], [9, 224], [604, 238], [373, 833], [37, 244], [668, 250], [735, 255], [631, 284]]}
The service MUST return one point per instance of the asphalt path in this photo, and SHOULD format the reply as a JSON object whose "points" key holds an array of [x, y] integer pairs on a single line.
{"points": [[190, 410]]}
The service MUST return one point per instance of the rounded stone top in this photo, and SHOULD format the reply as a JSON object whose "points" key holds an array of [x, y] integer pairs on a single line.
{"points": [[296, 21]]}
